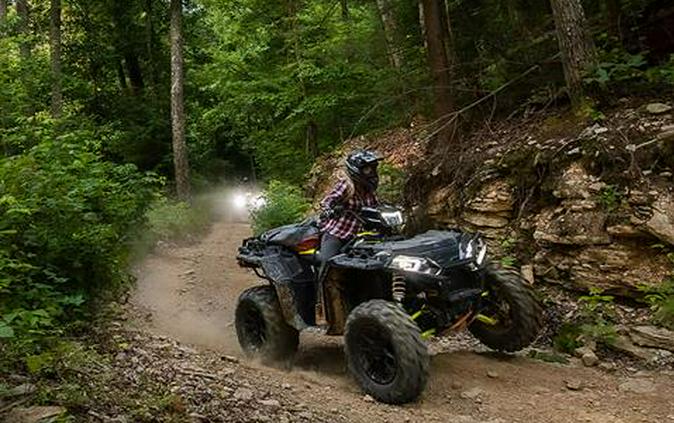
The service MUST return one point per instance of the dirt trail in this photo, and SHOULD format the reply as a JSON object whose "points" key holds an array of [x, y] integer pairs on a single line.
{"points": [[189, 294]]}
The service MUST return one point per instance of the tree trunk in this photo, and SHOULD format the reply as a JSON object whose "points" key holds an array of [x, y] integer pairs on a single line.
{"points": [[613, 17], [345, 10], [312, 140], [448, 38], [135, 72], [437, 57], [149, 44], [3, 10], [575, 44], [390, 31], [422, 23], [181, 164], [22, 13], [121, 76], [55, 52]]}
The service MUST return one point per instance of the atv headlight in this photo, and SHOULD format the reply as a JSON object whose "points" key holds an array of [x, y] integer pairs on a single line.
{"points": [[415, 264], [475, 249], [393, 218]]}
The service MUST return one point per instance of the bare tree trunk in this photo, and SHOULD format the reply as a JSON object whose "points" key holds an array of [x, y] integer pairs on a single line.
{"points": [[135, 72], [613, 16], [55, 51], [448, 39], [149, 43], [422, 23], [345, 10], [22, 12], [312, 140], [3, 10], [437, 58], [121, 75], [390, 30], [180, 161], [575, 44]]}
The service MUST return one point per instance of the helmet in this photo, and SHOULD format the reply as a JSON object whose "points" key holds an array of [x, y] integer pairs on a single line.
{"points": [[361, 166]]}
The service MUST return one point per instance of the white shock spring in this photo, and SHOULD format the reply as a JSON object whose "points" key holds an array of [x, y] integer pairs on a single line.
{"points": [[398, 288]]}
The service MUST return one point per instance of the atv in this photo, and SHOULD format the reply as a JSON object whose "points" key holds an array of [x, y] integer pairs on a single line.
{"points": [[386, 293]]}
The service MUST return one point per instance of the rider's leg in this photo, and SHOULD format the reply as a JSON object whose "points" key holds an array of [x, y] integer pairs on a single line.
{"points": [[330, 246]]}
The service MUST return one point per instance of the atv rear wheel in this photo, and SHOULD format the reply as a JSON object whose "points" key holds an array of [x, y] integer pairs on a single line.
{"points": [[513, 317], [385, 352], [260, 327]]}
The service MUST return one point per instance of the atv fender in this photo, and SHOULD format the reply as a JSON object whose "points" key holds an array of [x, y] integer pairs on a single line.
{"points": [[286, 298], [281, 270]]}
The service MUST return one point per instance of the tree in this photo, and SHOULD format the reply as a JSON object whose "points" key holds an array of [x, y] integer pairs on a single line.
{"points": [[345, 10], [3, 10], [22, 13], [390, 30], [55, 52], [180, 161], [435, 23], [575, 44]]}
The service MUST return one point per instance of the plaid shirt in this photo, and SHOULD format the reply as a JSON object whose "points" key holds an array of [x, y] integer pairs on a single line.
{"points": [[346, 225]]}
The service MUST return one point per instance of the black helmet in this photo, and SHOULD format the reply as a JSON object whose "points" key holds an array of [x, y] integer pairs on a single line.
{"points": [[361, 165]]}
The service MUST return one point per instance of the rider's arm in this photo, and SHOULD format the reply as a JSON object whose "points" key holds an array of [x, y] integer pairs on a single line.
{"points": [[335, 197]]}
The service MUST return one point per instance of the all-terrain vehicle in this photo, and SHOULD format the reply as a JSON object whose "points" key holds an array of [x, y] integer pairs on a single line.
{"points": [[385, 293]]}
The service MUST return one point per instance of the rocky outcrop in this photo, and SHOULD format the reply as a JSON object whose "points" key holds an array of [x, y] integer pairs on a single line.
{"points": [[588, 233], [619, 269], [661, 222], [652, 337]]}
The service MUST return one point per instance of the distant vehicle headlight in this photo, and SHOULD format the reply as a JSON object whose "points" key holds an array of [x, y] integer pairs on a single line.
{"points": [[239, 201], [415, 264]]}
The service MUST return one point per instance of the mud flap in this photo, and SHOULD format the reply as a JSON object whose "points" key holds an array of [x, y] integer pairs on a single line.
{"points": [[283, 269], [333, 301]]}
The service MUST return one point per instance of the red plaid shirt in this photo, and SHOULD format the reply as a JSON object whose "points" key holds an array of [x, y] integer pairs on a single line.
{"points": [[346, 225]]}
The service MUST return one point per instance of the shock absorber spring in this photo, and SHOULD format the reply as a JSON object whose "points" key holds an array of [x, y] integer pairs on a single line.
{"points": [[398, 288]]}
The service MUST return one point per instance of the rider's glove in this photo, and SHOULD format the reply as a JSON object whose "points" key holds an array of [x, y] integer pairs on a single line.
{"points": [[333, 212]]}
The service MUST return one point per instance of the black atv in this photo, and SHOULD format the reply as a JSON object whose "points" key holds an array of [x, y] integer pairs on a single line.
{"points": [[385, 293]]}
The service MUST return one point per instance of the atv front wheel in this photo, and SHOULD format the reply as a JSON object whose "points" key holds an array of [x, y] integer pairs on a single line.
{"points": [[385, 352], [513, 316], [260, 327]]}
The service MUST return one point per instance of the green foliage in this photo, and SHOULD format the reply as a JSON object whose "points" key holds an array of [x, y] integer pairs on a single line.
{"points": [[392, 183], [617, 66], [508, 248], [175, 220], [593, 324], [568, 338], [66, 216], [661, 297], [285, 204], [610, 198]]}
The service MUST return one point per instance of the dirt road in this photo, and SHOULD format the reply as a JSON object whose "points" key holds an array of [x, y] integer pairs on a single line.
{"points": [[189, 294]]}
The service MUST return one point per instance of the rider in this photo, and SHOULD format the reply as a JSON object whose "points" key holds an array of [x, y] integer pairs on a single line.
{"points": [[356, 188]]}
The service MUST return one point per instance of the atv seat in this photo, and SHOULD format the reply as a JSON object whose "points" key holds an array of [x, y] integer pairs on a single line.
{"points": [[292, 235]]}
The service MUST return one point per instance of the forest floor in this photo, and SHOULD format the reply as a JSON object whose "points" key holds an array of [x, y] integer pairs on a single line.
{"points": [[182, 316]]}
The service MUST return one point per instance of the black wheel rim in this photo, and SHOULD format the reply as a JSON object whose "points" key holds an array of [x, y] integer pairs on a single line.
{"points": [[252, 323], [375, 355], [499, 309]]}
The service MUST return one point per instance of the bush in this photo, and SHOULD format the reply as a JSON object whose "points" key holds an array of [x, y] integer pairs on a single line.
{"points": [[392, 184], [285, 204], [66, 216], [174, 220]]}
